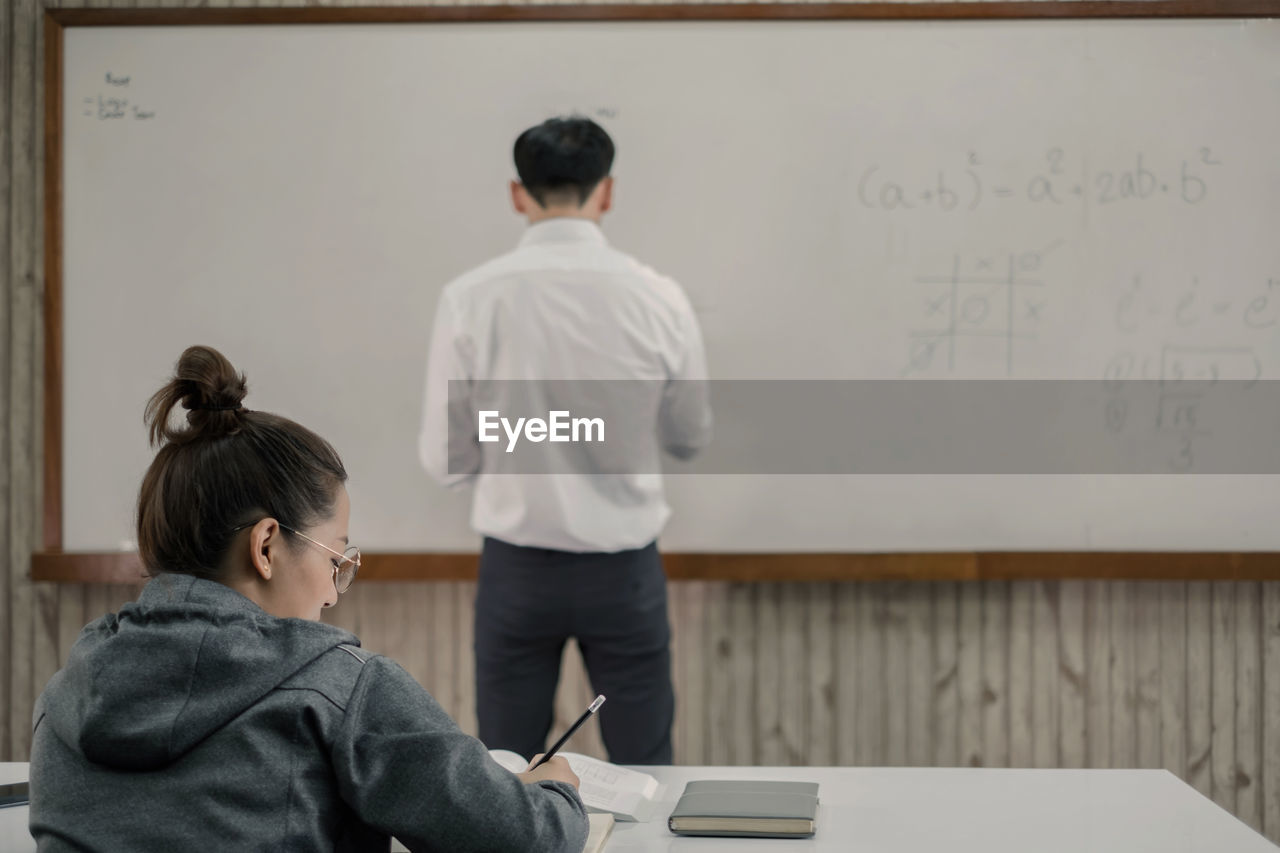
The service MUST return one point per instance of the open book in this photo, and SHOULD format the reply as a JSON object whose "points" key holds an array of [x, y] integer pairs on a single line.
{"points": [[626, 794]]}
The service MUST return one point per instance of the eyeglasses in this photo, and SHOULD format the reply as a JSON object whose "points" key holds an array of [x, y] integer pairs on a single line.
{"points": [[344, 567]]}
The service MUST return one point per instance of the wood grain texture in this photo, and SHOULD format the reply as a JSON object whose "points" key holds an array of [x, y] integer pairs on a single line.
{"points": [[1021, 694], [1145, 604], [465, 597], [871, 698], [946, 675], [1248, 695], [770, 750], [969, 675], [441, 614], [995, 674], [1199, 687], [1098, 698], [1222, 678], [720, 653], [8, 709], [22, 362], [820, 674], [689, 666], [848, 596], [793, 659], [919, 630], [1120, 676], [1269, 721], [895, 672], [744, 722], [1071, 680], [1172, 642]]}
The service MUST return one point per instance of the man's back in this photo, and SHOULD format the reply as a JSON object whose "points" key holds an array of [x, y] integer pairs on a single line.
{"points": [[564, 305]]}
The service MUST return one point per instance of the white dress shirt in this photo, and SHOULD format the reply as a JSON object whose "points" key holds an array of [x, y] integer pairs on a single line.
{"points": [[565, 305]]}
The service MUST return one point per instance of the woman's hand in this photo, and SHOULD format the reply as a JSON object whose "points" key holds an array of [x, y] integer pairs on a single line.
{"points": [[556, 769]]}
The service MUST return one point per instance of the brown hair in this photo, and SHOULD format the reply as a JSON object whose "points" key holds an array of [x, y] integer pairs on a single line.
{"points": [[225, 467]]}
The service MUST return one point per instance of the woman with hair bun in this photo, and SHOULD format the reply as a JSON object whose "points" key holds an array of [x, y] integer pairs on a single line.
{"points": [[217, 713]]}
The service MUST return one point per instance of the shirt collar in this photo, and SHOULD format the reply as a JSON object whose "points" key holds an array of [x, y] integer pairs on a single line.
{"points": [[564, 229]]}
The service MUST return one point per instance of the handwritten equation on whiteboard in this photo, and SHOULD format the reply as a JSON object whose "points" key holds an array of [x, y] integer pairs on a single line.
{"points": [[1058, 180], [113, 102], [1232, 337], [1194, 305]]}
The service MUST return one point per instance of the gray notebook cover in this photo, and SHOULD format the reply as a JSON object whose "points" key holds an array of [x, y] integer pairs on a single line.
{"points": [[746, 808]]}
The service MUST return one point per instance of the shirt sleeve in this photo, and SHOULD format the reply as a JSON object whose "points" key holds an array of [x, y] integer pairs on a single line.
{"points": [[406, 768], [448, 446], [684, 415]]}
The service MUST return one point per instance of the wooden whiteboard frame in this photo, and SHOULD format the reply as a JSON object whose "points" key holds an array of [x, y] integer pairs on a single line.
{"points": [[52, 564]]}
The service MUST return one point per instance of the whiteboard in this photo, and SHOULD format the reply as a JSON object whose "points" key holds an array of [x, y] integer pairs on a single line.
{"points": [[841, 200]]}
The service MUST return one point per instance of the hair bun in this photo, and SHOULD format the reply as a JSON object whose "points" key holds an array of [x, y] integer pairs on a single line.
{"points": [[211, 391]]}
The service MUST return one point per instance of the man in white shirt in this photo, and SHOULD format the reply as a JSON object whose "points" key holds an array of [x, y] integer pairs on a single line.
{"points": [[567, 554]]}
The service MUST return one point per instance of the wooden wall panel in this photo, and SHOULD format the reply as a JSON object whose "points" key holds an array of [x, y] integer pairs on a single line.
{"points": [[8, 404], [946, 672], [1070, 678], [1199, 688], [1248, 704], [1222, 680], [19, 340], [1269, 718]]}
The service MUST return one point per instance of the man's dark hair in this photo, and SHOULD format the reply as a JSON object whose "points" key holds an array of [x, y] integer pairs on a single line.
{"points": [[563, 159]]}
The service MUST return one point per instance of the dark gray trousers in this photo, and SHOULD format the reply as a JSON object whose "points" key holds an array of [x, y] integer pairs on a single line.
{"points": [[529, 601]]}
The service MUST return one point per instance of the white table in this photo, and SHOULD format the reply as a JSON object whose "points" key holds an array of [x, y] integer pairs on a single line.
{"points": [[14, 837], [912, 810], [963, 810]]}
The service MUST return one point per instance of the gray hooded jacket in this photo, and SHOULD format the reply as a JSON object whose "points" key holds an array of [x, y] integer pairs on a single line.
{"points": [[194, 720]]}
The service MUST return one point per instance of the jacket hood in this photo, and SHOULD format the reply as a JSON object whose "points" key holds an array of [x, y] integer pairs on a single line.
{"points": [[143, 686]]}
